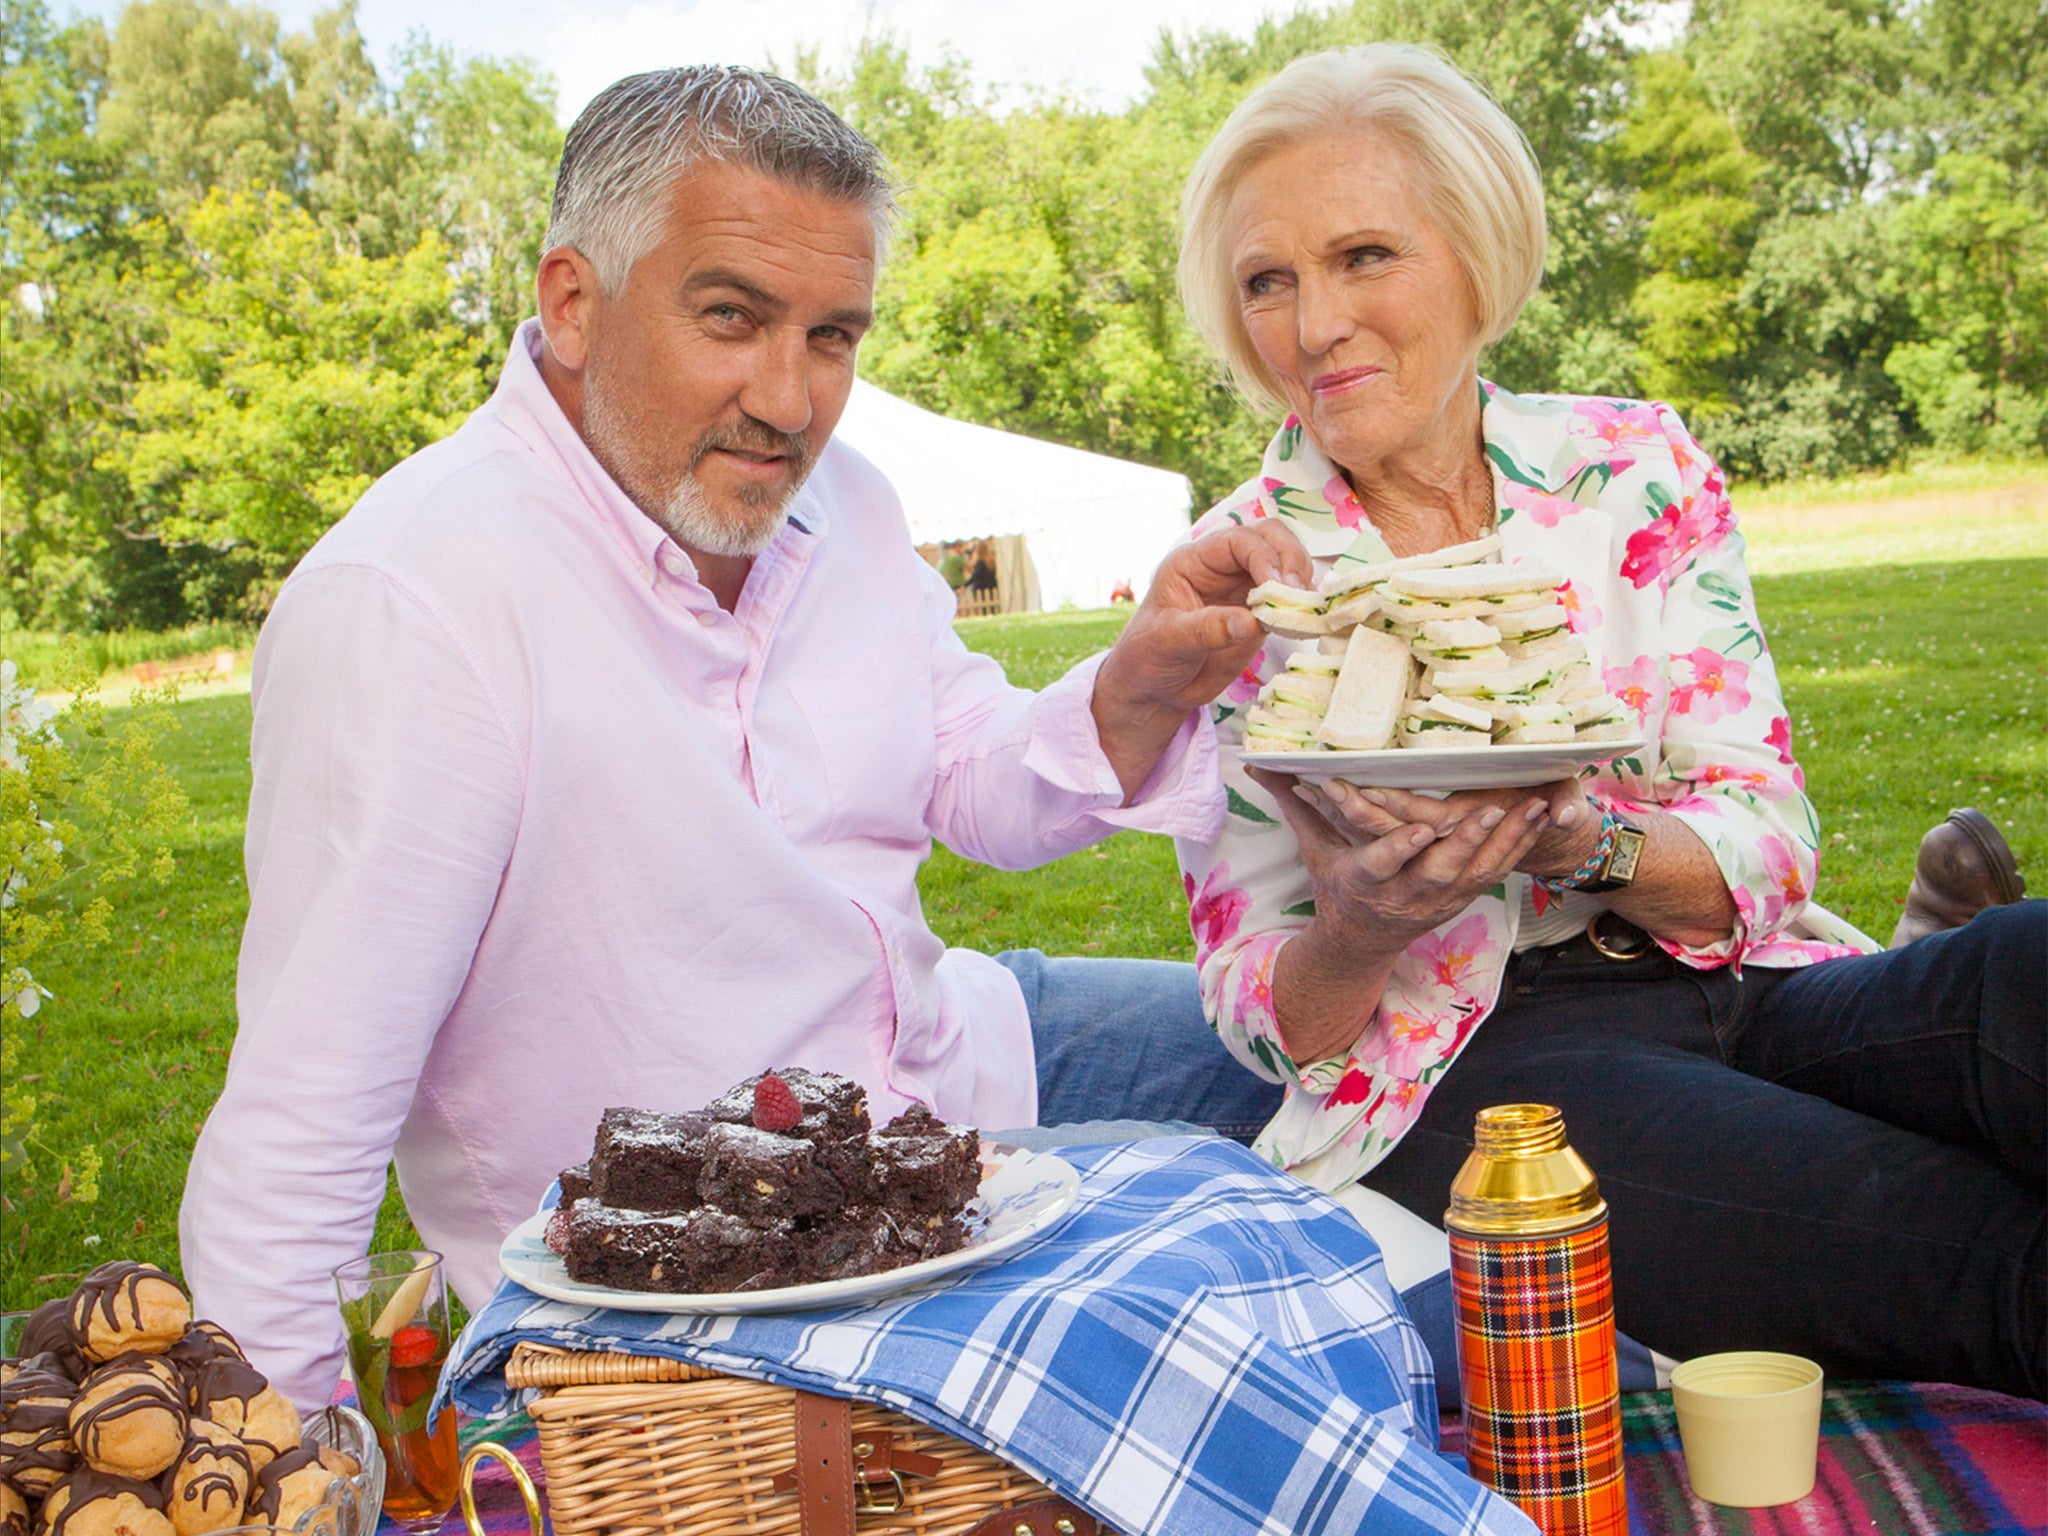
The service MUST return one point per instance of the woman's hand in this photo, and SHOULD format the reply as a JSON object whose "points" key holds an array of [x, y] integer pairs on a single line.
{"points": [[1569, 834], [1375, 894]]}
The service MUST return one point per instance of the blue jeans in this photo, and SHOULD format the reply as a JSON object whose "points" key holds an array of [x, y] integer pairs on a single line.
{"points": [[1126, 1040], [1845, 1162]]}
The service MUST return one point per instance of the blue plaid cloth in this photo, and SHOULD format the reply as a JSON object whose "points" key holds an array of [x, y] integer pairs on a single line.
{"points": [[1204, 1346]]}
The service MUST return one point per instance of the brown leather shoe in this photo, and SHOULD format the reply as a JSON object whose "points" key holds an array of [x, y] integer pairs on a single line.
{"points": [[1964, 866]]}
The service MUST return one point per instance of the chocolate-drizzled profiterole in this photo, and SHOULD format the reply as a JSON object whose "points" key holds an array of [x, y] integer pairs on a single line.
{"points": [[13, 1510], [208, 1486], [129, 1417], [48, 1332], [292, 1484], [123, 1306], [235, 1395], [91, 1503], [35, 1426]]}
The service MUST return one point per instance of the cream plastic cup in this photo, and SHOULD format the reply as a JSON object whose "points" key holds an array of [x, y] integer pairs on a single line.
{"points": [[1750, 1425]]}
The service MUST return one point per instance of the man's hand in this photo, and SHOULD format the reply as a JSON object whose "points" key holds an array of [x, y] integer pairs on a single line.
{"points": [[1188, 639]]}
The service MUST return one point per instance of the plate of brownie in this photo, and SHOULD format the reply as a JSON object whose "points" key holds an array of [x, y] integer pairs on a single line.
{"points": [[780, 1195]]}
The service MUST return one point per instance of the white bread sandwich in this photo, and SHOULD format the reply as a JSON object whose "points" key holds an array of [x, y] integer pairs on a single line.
{"points": [[1296, 612], [1531, 624], [1519, 682], [1442, 721], [1365, 709], [1458, 645], [1531, 723], [1604, 718], [1271, 731], [1480, 583], [1353, 578]]}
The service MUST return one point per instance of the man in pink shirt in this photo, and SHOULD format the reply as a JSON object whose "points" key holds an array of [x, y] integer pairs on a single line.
{"points": [[597, 749]]}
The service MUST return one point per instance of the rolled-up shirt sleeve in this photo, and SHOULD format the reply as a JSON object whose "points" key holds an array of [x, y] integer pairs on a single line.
{"points": [[1725, 766], [385, 798], [1021, 777]]}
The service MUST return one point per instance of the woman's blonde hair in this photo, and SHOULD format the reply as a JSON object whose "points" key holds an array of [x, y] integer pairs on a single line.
{"points": [[1474, 172]]}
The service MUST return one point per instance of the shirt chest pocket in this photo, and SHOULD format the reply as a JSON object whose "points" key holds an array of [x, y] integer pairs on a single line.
{"points": [[861, 759]]}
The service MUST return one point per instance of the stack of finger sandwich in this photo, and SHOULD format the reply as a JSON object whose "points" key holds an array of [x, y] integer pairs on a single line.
{"points": [[1447, 649]]}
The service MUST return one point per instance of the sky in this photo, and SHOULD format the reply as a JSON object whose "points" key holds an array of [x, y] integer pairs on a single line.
{"points": [[1091, 49]]}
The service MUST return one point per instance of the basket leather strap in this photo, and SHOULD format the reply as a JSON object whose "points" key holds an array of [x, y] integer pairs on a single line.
{"points": [[1051, 1517], [824, 1465]]}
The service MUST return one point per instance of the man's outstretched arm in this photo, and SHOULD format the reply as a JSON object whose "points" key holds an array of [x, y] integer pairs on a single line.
{"points": [[1188, 639], [384, 803]]}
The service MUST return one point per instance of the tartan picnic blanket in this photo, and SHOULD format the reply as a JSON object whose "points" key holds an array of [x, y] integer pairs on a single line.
{"points": [[1204, 1345], [1895, 1460]]}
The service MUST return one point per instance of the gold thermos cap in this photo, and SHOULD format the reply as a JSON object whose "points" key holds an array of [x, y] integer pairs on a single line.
{"points": [[1522, 1179]]}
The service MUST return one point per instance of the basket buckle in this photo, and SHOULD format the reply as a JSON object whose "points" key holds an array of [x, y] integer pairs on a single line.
{"points": [[868, 1501]]}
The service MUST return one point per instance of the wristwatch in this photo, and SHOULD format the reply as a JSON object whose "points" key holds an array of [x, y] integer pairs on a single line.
{"points": [[1624, 855], [1612, 863]]}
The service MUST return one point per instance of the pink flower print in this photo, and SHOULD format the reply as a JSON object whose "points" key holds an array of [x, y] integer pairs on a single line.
{"points": [[1779, 738], [1781, 866], [1655, 552], [1580, 615], [1413, 1041], [1344, 502], [1216, 911], [1616, 422], [1396, 1109], [1352, 1087], [1763, 905], [1451, 956], [1544, 509], [1257, 993], [1716, 686], [1638, 685], [1269, 484], [1244, 686], [1725, 773]]}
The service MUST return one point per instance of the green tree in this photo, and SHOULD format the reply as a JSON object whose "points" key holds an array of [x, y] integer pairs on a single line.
{"points": [[1696, 197], [1978, 264], [291, 374]]}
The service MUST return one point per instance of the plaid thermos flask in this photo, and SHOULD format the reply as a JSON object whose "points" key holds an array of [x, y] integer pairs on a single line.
{"points": [[1535, 1312]]}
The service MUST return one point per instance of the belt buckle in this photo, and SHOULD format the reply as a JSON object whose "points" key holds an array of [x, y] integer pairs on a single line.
{"points": [[1608, 951]]}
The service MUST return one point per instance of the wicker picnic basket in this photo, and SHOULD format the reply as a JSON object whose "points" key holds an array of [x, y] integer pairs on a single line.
{"points": [[636, 1445]]}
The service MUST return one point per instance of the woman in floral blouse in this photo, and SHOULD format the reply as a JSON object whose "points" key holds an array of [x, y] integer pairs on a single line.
{"points": [[1840, 1156]]}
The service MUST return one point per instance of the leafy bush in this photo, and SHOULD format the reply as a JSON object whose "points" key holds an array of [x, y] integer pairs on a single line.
{"points": [[85, 811]]}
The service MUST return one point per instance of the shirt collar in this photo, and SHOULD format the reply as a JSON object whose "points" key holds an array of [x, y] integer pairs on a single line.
{"points": [[1301, 483], [529, 409]]}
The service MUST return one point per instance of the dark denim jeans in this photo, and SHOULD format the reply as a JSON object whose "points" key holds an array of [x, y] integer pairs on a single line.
{"points": [[1846, 1162]]}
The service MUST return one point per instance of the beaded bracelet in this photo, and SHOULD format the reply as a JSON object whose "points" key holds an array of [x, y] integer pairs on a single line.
{"points": [[1609, 825]]}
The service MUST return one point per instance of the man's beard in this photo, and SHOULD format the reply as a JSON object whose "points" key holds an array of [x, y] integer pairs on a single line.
{"points": [[683, 509]]}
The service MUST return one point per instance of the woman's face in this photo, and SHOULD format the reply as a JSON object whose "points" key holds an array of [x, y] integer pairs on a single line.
{"points": [[1353, 298]]}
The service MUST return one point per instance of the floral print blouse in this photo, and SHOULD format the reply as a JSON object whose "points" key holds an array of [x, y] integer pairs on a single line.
{"points": [[1618, 497]]}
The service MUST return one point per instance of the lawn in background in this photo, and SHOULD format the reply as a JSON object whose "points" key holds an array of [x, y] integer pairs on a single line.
{"points": [[1913, 688]]}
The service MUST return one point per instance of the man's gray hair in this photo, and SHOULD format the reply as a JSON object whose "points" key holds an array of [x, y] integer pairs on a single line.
{"points": [[626, 149]]}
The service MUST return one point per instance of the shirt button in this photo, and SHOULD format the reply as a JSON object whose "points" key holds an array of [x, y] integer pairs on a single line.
{"points": [[708, 618], [671, 559]]}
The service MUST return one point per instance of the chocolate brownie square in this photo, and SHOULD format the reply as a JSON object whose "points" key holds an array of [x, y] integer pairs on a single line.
{"points": [[702, 1250], [575, 1183], [924, 1166], [758, 1174], [835, 1108], [646, 1161]]}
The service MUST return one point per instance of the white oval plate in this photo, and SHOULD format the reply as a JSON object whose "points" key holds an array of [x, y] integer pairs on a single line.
{"points": [[1022, 1195], [1447, 768]]}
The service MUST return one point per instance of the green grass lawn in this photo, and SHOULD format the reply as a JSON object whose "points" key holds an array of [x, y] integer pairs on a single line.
{"points": [[1913, 688]]}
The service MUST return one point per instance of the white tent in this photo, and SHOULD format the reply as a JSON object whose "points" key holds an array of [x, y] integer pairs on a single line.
{"points": [[1088, 521]]}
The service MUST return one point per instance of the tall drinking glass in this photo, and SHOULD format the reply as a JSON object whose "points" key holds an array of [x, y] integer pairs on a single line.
{"points": [[394, 1310]]}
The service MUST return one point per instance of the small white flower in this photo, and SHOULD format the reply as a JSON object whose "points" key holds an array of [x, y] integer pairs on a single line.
{"points": [[91, 1239], [29, 1000]]}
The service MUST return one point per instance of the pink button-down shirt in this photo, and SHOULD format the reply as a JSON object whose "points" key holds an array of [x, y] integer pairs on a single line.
{"points": [[537, 828]]}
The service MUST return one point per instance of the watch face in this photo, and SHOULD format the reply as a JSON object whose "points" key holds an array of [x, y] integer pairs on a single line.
{"points": [[1628, 853]]}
